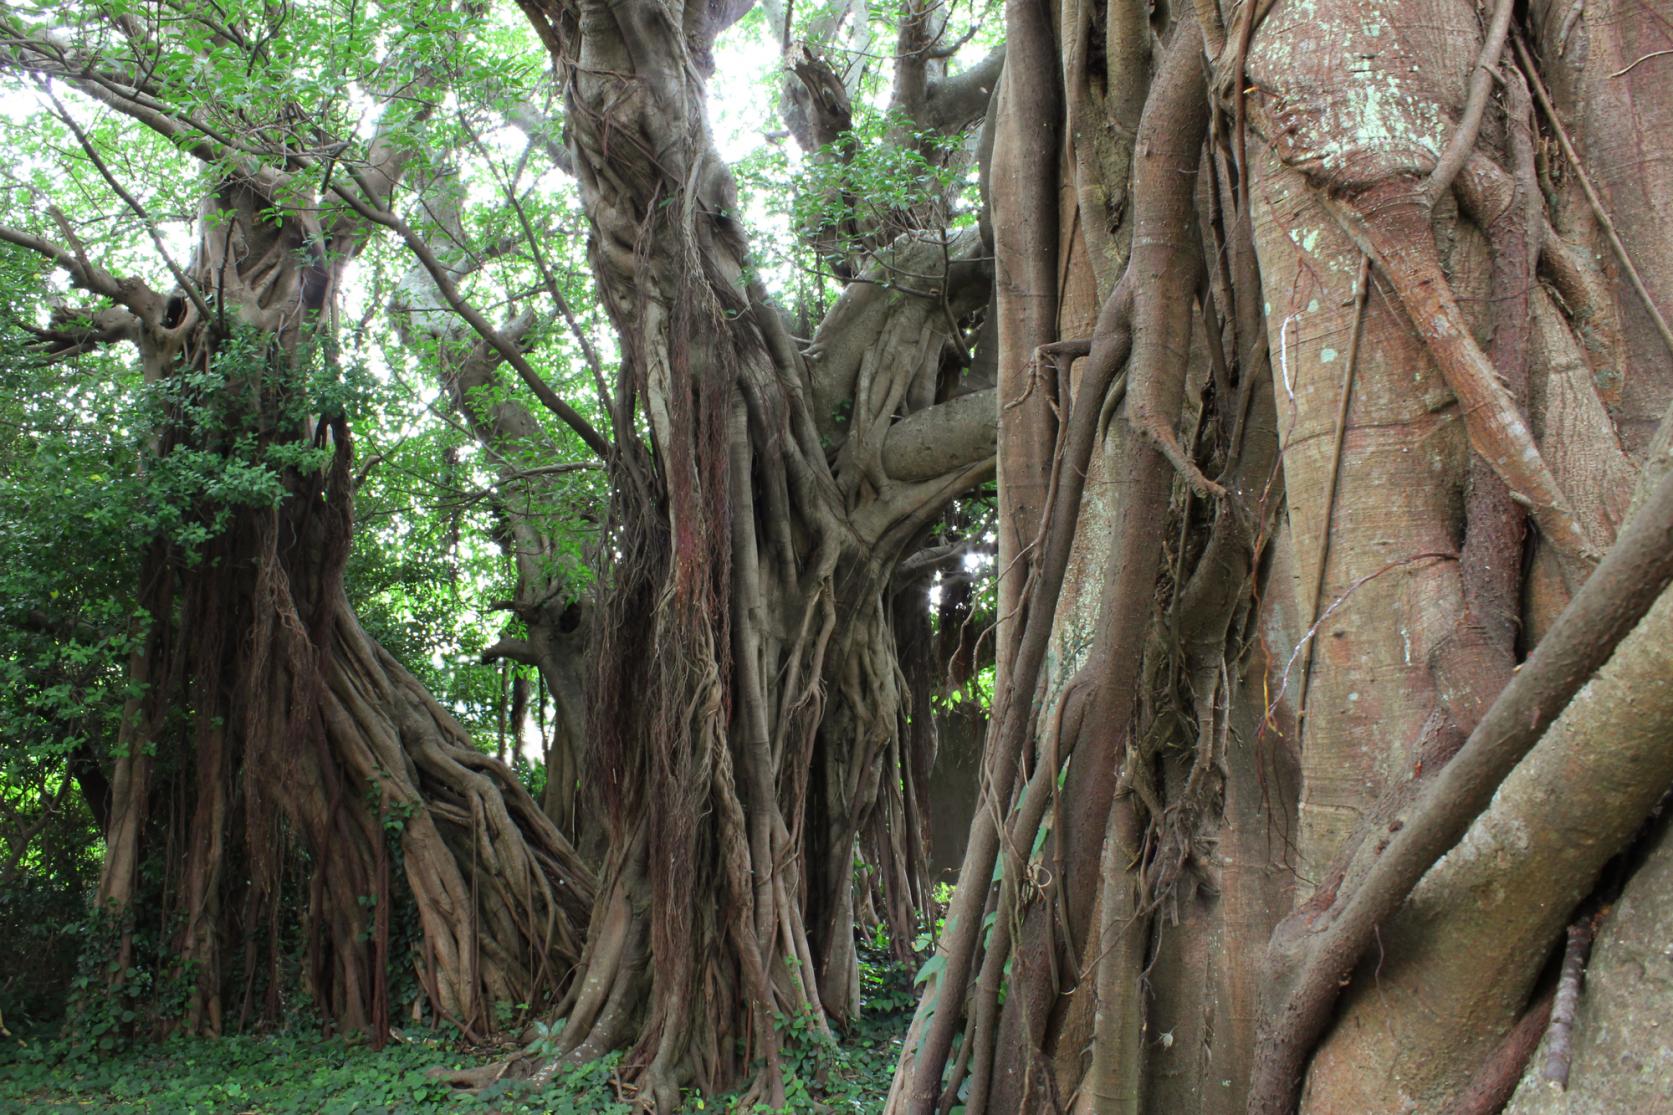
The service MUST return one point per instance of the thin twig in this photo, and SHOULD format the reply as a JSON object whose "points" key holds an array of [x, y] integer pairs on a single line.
{"points": [[1559, 1053], [588, 352], [1362, 285], [1598, 210], [85, 274], [1634, 65]]}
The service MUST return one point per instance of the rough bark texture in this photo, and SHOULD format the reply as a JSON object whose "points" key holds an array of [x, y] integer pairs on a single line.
{"points": [[1622, 1056], [1385, 449], [749, 718]]}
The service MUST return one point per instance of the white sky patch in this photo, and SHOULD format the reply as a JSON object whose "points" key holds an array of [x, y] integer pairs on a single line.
{"points": [[17, 105], [744, 123], [740, 105]]}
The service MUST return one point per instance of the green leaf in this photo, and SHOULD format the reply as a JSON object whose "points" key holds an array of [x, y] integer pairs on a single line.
{"points": [[931, 967]]}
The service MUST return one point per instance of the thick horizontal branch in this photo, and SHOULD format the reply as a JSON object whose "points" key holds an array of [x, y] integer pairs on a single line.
{"points": [[78, 329], [517, 650], [955, 102], [938, 557], [943, 438]]}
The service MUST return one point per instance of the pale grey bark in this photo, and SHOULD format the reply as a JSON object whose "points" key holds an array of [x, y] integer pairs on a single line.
{"points": [[1623, 1033]]}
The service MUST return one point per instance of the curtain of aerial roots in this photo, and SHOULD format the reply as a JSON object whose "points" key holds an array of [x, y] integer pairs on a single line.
{"points": [[747, 714], [271, 725], [1373, 353]]}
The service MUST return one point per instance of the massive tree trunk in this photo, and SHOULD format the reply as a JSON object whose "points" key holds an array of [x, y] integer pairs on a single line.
{"points": [[272, 753], [748, 717], [1367, 384], [269, 722]]}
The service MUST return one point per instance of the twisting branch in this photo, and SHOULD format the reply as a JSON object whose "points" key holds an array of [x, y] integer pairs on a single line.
{"points": [[450, 293]]}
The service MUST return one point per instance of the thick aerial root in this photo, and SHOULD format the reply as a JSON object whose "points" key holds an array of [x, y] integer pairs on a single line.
{"points": [[1392, 223], [1147, 318]]}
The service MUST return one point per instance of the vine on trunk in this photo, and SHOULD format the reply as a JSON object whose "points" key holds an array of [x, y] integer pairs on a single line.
{"points": [[1138, 844]]}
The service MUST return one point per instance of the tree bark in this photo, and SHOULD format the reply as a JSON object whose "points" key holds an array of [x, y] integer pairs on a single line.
{"points": [[1385, 451], [748, 718]]}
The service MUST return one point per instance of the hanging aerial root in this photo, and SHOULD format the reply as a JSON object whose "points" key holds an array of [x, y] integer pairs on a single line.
{"points": [[1598, 209], [1164, 270], [1560, 1051], [1391, 223], [1333, 475], [1147, 317], [918, 1082]]}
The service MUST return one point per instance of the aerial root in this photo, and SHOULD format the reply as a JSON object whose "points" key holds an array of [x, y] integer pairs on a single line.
{"points": [[1401, 242]]}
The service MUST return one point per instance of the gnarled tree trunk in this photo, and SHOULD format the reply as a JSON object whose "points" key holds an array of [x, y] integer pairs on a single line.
{"points": [[1365, 391], [270, 724], [271, 749], [749, 713]]}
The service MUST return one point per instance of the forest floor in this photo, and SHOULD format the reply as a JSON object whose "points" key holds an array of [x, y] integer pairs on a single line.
{"points": [[296, 1073]]}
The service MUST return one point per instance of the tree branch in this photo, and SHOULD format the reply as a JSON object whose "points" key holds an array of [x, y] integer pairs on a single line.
{"points": [[450, 293], [588, 351], [74, 330], [133, 203], [944, 438], [84, 273], [44, 59], [537, 127], [954, 102], [517, 650], [934, 557]]}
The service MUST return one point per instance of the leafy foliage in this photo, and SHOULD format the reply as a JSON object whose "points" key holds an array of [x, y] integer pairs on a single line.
{"points": [[235, 1074], [294, 1072], [68, 493]]}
